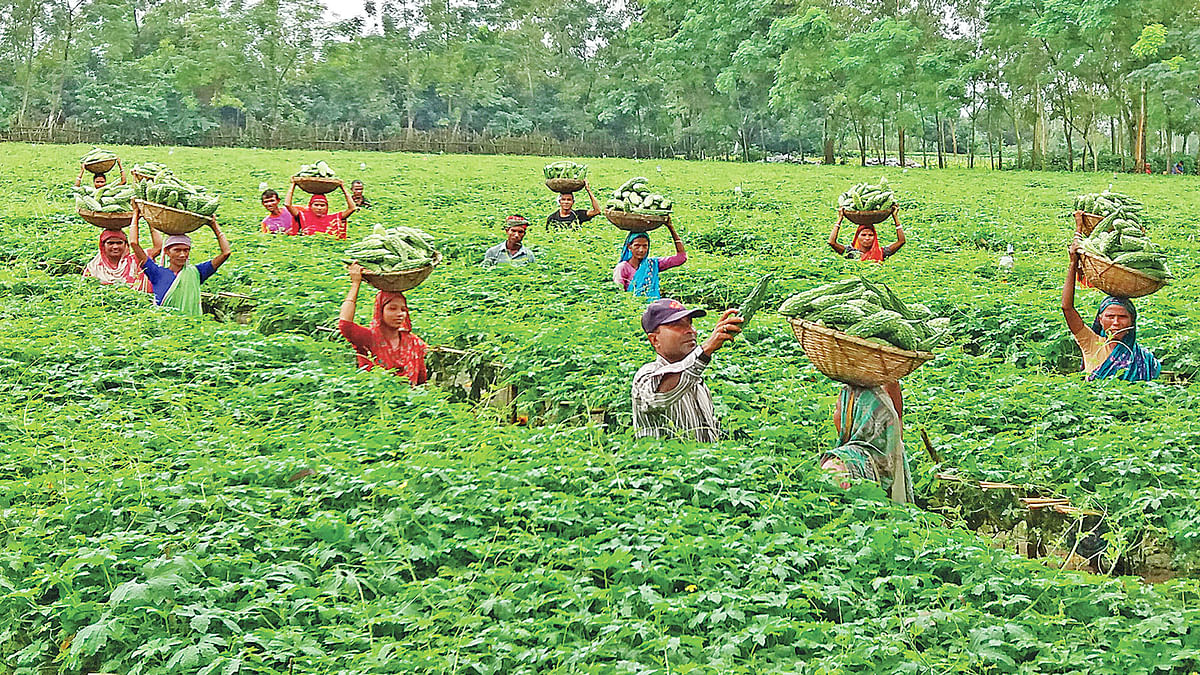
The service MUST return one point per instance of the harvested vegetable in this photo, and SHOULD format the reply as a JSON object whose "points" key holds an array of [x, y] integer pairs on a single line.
{"points": [[108, 199], [755, 299], [867, 197], [566, 169], [392, 249], [871, 311], [148, 168], [1121, 240], [635, 197], [318, 170], [167, 189], [1108, 203], [96, 155]]}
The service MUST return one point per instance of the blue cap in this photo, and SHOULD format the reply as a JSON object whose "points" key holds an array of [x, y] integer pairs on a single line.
{"points": [[666, 310]]}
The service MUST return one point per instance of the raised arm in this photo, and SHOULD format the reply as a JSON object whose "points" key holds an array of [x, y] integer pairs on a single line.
{"points": [[899, 232], [679, 249], [833, 234], [222, 242], [351, 207], [138, 254], [156, 243], [351, 302], [122, 181], [287, 201], [1074, 321], [79, 178], [595, 210]]}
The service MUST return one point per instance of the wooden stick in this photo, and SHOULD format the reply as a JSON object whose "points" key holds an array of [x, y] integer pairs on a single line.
{"points": [[933, 453]]}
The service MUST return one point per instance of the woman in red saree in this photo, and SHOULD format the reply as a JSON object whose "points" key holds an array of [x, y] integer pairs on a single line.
{"points": [[115, 264], [317, 218], [865, 244], [389, 342]]}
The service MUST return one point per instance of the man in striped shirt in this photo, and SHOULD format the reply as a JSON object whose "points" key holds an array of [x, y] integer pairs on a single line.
{"points": [[670, 399]]}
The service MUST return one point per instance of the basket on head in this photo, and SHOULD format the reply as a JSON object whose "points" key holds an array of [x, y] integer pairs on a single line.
{"points": [[634, 222], [170, 220], [1114, 279], [100, 166], [564, 185], [108, 221], [853, 360], [318, 186], [406, 280], [867, 217]]}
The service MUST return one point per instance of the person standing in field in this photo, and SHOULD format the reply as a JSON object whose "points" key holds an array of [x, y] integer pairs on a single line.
{"points": [[567, 216], [1110, 347], [670, 399], [865, 244], [637, 272], [870, 440], [99, 180], [389, 342], [178, 284], [317, 218], [115, 264], [356, 193], [278, 219], [512, 250]]}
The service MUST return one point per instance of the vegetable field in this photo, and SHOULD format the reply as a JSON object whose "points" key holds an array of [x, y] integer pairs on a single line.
{"points": [[190, 495]]}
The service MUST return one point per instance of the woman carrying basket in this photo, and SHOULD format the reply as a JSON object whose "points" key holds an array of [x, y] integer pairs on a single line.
{"points": [[1110, 347], [637, 272], [389, 342], [865, 244], [178, 284], [317, 218], [870, 439]]}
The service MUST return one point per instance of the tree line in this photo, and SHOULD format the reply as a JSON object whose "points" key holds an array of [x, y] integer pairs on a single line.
{"points": [[1044, 84]]}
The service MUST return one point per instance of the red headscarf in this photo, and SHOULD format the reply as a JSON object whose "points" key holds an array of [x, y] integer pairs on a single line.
{"points": [[408, 358], [874, 253], [330, 223], [125, 271]]}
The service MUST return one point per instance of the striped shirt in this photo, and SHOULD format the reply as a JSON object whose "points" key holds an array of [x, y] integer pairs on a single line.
{"points": [[685, 412]]}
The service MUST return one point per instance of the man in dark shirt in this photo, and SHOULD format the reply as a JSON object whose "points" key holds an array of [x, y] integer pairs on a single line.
{"points": [[356, 193], [567, 216]]}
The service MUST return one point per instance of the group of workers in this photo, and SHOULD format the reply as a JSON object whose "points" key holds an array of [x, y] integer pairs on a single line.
{"points": [[669, 396]]}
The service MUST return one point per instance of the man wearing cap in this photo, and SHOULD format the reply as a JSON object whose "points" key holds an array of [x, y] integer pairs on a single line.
{"points": [[512, 250], [178, 280], [670, 399]]}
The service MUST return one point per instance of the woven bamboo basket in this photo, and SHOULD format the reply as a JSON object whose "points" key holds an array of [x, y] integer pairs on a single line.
{"points": [[853, 360], [170, 220], [1114, 279], [564, 185], [318, 186], [1086, 222], [634, 222], [139, 177], [398, 282], [867, 217], [102, 166], [108, 221]]}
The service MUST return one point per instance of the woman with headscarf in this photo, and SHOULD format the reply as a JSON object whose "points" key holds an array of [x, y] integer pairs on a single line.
{"points": [[637, 272], [389, 342], [317, 218], [115, 264], [870, 440], [178, 284], [1110, 347], [865, 244]]}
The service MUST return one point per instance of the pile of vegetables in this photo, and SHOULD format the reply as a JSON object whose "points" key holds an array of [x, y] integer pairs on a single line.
{"points": [[392, 249], [566, 169], [755, 299], [96, 155], [635, 197], [318, 170], [867, 197], [167, 189], [871, 311], [1108, 203], [1121, 240], [148, 168], [108, 199]]}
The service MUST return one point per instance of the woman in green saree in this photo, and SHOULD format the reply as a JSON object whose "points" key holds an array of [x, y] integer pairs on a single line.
{"points": [[177, 285], [870, 443]]}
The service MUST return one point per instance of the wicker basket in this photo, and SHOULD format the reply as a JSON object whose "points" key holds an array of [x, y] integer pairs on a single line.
{"points": [[139, 177], [565, 185], [853, 360], [634, 222], [109, 221], [1114, 279], [317, 186], [102, 166], [1086, 222], [398, 282], [170, 220], [867, 217]]}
